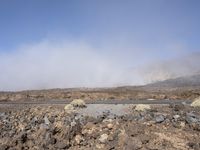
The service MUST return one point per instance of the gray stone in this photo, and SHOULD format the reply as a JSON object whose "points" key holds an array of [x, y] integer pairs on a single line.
{"points": [[176, 117], [2, 115], [44, 126], [159, 119], [191, 118], [46, 120], [103, 138]]}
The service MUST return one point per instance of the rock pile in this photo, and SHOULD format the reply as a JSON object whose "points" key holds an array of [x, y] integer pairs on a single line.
{"points": [[54, 128]]}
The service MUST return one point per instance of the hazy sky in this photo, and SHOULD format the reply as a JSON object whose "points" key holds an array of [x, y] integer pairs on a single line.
{"points": [[73, 43]]}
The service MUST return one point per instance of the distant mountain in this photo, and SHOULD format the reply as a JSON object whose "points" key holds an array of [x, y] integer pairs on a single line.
{"points": [[180, 82]]}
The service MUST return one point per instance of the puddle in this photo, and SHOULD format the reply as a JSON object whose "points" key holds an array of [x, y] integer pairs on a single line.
{"points": [[99, 109]]}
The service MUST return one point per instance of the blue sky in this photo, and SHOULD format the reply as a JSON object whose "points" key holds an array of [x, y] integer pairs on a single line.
{"points": [[153, 24], [128, 32]]}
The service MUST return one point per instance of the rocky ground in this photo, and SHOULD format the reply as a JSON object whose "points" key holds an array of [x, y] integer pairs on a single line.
{"points": [[104, 94], [173, 89], [51, 127]]}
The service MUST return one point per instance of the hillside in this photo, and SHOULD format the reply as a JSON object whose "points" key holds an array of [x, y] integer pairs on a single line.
{"points": [[180, 82]]}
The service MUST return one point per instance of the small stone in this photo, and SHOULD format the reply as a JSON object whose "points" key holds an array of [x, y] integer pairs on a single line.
{"points": [[62, 145], [160, 119], [184, 103], [110, 126], [176, 117], [178, 107], [21, 126], [34, 120], [73, 123], [89, 125], [52, 140], [46, 120], [103, 138], [78, 139], [134, 143], [100, 146], [196, 126], [191, 118], [182, 124], [44, 126]]}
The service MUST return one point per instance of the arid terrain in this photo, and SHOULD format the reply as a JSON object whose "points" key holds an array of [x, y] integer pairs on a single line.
{"points": [[104, 125], [99, 75], [173, 89], [166, 127]]}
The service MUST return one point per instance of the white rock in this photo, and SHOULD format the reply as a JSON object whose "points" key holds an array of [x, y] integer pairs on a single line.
{"points": [[110, 126], [69, 108], [78, 139], [46, 120], [103, 138], [176, 116]]}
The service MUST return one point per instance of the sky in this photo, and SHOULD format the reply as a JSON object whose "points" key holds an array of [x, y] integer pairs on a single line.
{"points": [[96, 43]]}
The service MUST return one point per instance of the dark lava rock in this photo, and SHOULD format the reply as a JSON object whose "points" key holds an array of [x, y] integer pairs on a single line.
{"points": [[22, 137], [177, 107], [52, 140]]}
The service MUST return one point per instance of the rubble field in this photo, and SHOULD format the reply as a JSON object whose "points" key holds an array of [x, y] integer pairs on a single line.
{"points": [[161, 127]]}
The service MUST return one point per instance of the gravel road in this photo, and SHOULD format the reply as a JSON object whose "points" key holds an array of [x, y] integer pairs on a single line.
{"points": [[57, 102]]}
